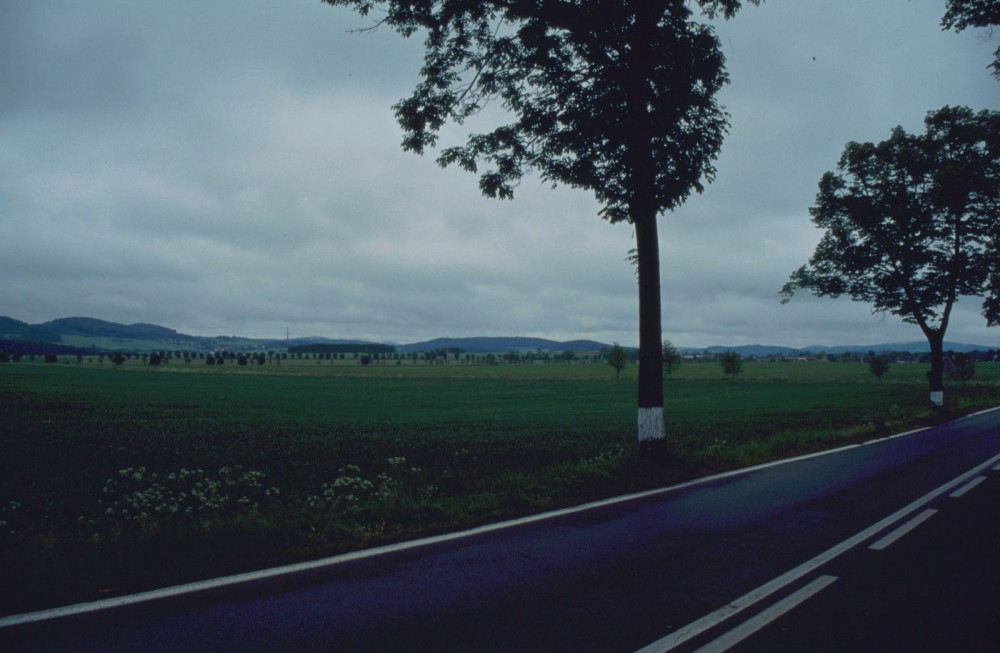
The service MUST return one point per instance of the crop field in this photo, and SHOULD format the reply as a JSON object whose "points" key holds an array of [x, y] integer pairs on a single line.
{"points": [[119, 478]]}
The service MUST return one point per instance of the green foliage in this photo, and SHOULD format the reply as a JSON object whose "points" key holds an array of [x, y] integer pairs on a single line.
{"points": [[962, 14], [672, 358], [732, 364], [911, 224], [963, 368], [616, 358], [878, 366], [583, 84]]}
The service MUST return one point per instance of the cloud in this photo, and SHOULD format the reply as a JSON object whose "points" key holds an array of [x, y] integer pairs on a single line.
{"points": [[234, 167]]}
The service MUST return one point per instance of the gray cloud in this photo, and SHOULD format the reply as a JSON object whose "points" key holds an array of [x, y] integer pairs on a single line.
{"points": [[234, 167]]}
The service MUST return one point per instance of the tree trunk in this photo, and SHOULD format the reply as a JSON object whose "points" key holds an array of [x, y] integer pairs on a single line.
{"points": [[643, 210], [936, 375], [650, 417]]}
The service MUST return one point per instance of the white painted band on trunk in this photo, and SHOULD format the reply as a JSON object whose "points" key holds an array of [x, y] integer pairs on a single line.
{"points": [[937, 397], [651, 426]]}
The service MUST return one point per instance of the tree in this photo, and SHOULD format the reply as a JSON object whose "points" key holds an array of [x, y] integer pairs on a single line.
{"points": [[671, 358], [732, 364], [912, 225], [878, 365], [616, 358], [961, 14], [613, 96], [963, 368]]}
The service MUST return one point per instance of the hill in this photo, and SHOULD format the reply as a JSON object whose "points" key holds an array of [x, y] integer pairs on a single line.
{"points": [[17, 330], [497, 345], [91, 333], [762, 351], [88, 326]]}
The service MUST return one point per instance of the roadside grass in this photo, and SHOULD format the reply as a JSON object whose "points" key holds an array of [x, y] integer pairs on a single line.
{"points": [[117, 479]]}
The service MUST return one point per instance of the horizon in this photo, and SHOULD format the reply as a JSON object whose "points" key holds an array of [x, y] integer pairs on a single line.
{"points": [[913, 342]]}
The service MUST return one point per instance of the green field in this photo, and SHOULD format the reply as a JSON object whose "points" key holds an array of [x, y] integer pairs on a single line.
{"points": [[121, 478]]}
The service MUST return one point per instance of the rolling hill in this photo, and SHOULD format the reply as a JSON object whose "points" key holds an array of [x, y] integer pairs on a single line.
{"points": [[87, 332]]}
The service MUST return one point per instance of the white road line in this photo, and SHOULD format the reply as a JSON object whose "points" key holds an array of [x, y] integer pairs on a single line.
{"points": [[898, 435], [903, 530], [695, 628], [997, 468], [751, 626], [981, 412], [968, 486]]}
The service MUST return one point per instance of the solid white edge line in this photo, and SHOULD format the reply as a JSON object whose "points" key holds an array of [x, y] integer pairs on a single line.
{"points": [[765, 618], [960, 492], [902, 530], [980, 412], [695, 628], [897, 435], [273, 572]]}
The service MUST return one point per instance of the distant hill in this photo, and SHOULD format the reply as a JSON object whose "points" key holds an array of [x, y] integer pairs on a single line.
{"points": [[916, 347], [306, 342], [92, 333], [753, 350], [88, 326], [18, 330], [761, 351], [497, 345]]}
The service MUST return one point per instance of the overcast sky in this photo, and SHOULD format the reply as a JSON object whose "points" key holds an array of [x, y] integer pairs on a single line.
{"points": [[233, 167]]}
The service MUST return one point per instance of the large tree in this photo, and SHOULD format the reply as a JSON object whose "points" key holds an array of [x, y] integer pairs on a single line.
{"points": [[913, 224], [962, 14], [613, 96]]}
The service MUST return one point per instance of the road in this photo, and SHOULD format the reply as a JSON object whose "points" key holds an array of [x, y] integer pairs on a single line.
{"points": [[936, 588], [672, 570]]}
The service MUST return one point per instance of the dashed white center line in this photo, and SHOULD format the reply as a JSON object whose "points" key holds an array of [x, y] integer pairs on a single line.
{"points": [[751, 626], [903, 530], [968, 486]]}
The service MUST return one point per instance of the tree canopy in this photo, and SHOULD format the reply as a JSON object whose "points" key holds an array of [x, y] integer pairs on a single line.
{"points": [[912, 224], [582, 80], [962, 14], [613, 96]]}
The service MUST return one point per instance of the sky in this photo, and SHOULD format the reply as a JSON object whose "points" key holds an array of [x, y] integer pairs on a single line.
{"points": [[234, 168]]}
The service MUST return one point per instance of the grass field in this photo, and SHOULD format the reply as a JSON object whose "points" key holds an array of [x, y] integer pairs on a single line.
{"points": [[122, 478]]}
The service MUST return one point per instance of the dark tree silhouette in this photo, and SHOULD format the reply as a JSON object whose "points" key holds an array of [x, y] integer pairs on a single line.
{"points": [[671, 358], [732, 364], [613, 96], [616, 358], [962, 14], [878, 365], [912, 224]]}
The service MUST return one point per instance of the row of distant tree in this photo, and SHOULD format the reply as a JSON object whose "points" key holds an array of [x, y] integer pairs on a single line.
{"points": [[959, 366]]}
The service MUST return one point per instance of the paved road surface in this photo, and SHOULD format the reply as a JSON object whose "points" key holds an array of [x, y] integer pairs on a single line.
{"points": [[935, 588], [611, 578]]}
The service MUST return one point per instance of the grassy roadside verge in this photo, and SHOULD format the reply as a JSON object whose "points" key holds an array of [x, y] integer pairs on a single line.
{"points": [[121, 480]]}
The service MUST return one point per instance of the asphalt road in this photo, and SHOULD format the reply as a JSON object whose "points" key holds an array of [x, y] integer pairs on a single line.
{"points": [[675, 570], [935, 588]]}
